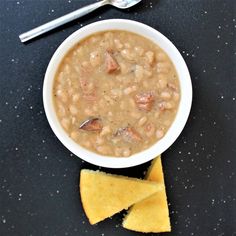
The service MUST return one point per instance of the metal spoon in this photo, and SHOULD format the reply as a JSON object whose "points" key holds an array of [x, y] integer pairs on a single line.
{"points": [[122, 4]]}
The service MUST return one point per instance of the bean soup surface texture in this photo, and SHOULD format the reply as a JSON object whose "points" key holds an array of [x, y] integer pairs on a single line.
{"points": [[116, 93]]}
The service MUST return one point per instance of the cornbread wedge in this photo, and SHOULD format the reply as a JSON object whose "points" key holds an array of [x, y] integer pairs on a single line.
{"points": [[103, 195], [151, 214]]}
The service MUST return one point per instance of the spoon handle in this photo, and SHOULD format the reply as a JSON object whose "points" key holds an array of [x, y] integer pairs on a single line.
{"points": [[60, 21]]}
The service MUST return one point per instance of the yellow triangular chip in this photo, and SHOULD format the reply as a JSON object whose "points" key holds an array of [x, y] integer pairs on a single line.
{"points": [[151, 214], [103, 195]]}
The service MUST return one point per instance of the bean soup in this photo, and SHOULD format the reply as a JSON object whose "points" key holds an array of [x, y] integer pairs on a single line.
{"points": [[116, 93]]}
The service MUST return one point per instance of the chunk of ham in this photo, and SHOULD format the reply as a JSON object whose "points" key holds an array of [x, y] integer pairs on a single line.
{"points": [[88, 93], [144, 101], [110, 63], [129, 134], [93, 124]]}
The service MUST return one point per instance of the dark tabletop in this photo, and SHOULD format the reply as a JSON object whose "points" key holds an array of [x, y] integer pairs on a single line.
{"points": [[39, 176]]}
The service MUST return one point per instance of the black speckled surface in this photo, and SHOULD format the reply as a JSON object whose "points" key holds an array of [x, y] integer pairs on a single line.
{"points": [[39, 177]]}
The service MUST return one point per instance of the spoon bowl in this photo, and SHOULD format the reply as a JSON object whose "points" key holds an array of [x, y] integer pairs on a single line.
{"points": [[123, 4]]}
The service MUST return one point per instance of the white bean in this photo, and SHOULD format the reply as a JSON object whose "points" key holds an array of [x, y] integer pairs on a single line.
{"points": [[126, 54], [150, 130], [162, 83], [157, 114], [105, 130], [103, 149], [73, 110], [176, 96], [65, 122], [118, 44], [126, 152], [132, 102], [138, 72], [89, 112], [116, 92], [95, 108], [122, 105], [99, 140], [161, 56], [87, 144], [61, 109], [148, 73], [129, 90], [142, 121], [135, 115], [74, 135], [62, 95], [159, 133], [163, 67], [118, 152], [124, 68], [75, 97], [139, 50], [145, 84], [95, 58], [127, 45], [150, 57], [165, 95]]}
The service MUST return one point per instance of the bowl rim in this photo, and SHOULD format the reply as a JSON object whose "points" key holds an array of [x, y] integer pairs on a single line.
{"points": [[183, 109]]}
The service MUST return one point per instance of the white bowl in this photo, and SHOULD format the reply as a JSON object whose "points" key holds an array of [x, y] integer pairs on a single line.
{"points": [[181, 116]]}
